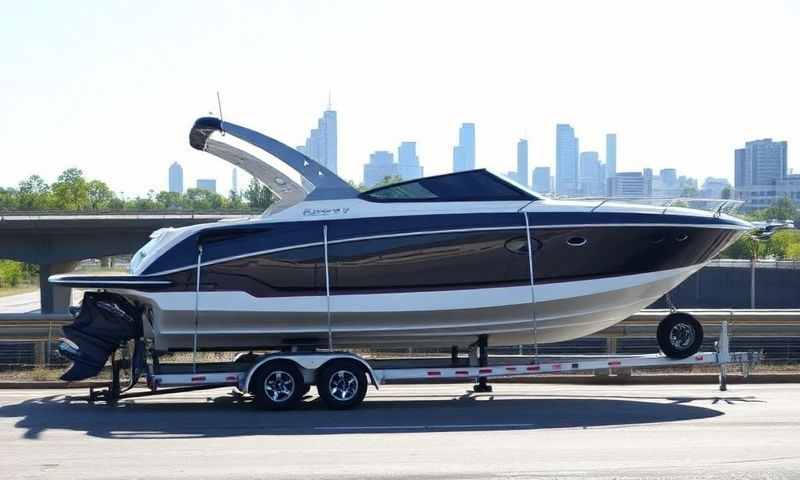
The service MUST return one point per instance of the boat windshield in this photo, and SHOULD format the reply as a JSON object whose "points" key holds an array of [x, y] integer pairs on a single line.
{"points": [[471, 185]]}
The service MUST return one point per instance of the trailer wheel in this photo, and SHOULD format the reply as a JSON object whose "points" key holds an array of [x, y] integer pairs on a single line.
{"points": [[679, 335], [342, 384], [277, 385]]}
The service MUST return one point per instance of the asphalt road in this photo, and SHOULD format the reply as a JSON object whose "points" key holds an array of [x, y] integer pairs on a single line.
{"points": [[436, 431], [29, 302]]}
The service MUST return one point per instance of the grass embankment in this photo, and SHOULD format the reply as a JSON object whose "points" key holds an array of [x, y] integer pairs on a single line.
{"points": [[26, 288]]}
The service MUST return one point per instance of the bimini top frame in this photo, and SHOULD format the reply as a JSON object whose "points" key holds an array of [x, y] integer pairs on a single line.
{"points": [[327, 186]]}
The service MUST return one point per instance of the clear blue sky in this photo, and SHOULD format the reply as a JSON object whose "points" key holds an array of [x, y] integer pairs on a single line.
{"points": [[113, 87]]}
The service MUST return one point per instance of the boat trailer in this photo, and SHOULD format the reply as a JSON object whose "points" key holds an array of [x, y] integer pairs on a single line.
{"points": [[169, 378]]}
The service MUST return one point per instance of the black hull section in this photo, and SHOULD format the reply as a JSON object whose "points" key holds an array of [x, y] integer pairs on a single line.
{"points": [[103, 322], [461, 260]]}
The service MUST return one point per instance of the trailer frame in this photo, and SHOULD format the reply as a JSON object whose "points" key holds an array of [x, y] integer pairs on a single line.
{"points": [[240, 375]]}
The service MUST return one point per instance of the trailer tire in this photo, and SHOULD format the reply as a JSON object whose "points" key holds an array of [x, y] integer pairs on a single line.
{"points": [[679, 335], [342, 384], [277, 385]]}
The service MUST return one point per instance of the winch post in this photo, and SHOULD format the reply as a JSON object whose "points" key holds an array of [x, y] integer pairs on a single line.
{"points": [[483, 360]]}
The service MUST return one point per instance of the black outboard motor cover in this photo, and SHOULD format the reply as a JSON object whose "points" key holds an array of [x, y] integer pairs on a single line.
{"points": [[104, 321]]}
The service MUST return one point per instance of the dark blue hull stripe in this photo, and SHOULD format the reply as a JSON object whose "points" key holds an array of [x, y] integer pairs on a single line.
{"points": [[235, 241]]}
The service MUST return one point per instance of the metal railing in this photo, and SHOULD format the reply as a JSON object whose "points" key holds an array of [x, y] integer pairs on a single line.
{"points": [[31, 339]]}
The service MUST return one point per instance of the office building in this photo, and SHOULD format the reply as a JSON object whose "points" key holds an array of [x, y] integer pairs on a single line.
{"points": [[647, 173], [761, 174], [522, 162], [542, 181], [592, 175], [235, 181], [629, 184], [713, 187], [381, 165], [567, 149], [408, 166], [208, 184], [322, 144], [176, 178], [611, 154], [464, 152], [760, 162]]}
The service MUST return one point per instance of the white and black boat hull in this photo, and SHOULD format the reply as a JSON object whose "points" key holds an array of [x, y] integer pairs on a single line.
{"points": [[562, 311]]}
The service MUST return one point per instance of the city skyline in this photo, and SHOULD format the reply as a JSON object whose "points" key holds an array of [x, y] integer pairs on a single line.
{"points": [[670, 97]]}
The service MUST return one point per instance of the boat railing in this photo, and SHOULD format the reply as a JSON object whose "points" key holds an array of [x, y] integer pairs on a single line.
{"points": [[717, 206]]}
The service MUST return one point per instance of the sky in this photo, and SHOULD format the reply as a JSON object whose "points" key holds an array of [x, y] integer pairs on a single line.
{"points": [[113, 87]]}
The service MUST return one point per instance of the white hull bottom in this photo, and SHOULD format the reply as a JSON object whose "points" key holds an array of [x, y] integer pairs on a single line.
{"points": [[563, 311]]}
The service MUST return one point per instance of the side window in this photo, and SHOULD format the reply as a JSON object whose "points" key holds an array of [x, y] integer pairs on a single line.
{"points": [[440, 261]]}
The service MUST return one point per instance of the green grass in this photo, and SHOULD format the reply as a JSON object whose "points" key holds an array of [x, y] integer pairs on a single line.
{"points": [[7, 291]]}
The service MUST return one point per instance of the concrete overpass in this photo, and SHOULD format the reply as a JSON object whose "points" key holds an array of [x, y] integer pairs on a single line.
{"points": [[57, 240]]}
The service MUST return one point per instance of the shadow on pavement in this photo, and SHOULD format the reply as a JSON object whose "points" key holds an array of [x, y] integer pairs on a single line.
{"points": [[228, 416]]}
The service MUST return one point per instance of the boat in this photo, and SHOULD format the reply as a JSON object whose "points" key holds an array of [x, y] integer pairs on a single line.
{"points": [[445, 260]]}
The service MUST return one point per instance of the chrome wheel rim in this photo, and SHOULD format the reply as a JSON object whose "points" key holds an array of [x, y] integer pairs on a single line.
{"points": [[681, 336], [343, 385], [279, 386]]}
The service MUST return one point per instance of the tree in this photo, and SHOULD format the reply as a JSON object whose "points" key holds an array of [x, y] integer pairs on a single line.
{"points": [[258, 195], [689, 192], [201, 199], [781, 209], [9, 199], [11, 273], [235, 200], [100, 196], [71, 192], [726, 193], [34, 194], [169, 200]]}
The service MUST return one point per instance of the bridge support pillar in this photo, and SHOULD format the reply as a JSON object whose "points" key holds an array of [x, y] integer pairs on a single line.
{"points": [[54, 299]]}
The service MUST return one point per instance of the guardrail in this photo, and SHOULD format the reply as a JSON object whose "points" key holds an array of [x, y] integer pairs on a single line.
{"points": [[778, 330]]}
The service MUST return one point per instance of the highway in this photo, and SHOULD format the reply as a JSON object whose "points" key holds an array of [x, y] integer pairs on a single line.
{"points": [[29, 302], [434, 431]]}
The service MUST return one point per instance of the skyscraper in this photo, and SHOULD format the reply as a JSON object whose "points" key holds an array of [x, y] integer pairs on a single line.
{"points": [[541, 179], [611, 154], [381, 165], [669, 177], [647, 174], [408, 166], [208, 184], [234, 181], [566, 160], [592, 179], [322, 144], [760, 162], [522, 162], [761, 174], [464, 152], [176, 178]]}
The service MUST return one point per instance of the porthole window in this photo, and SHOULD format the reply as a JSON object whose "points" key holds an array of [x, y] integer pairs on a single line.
{"points": [[576, 241]]}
